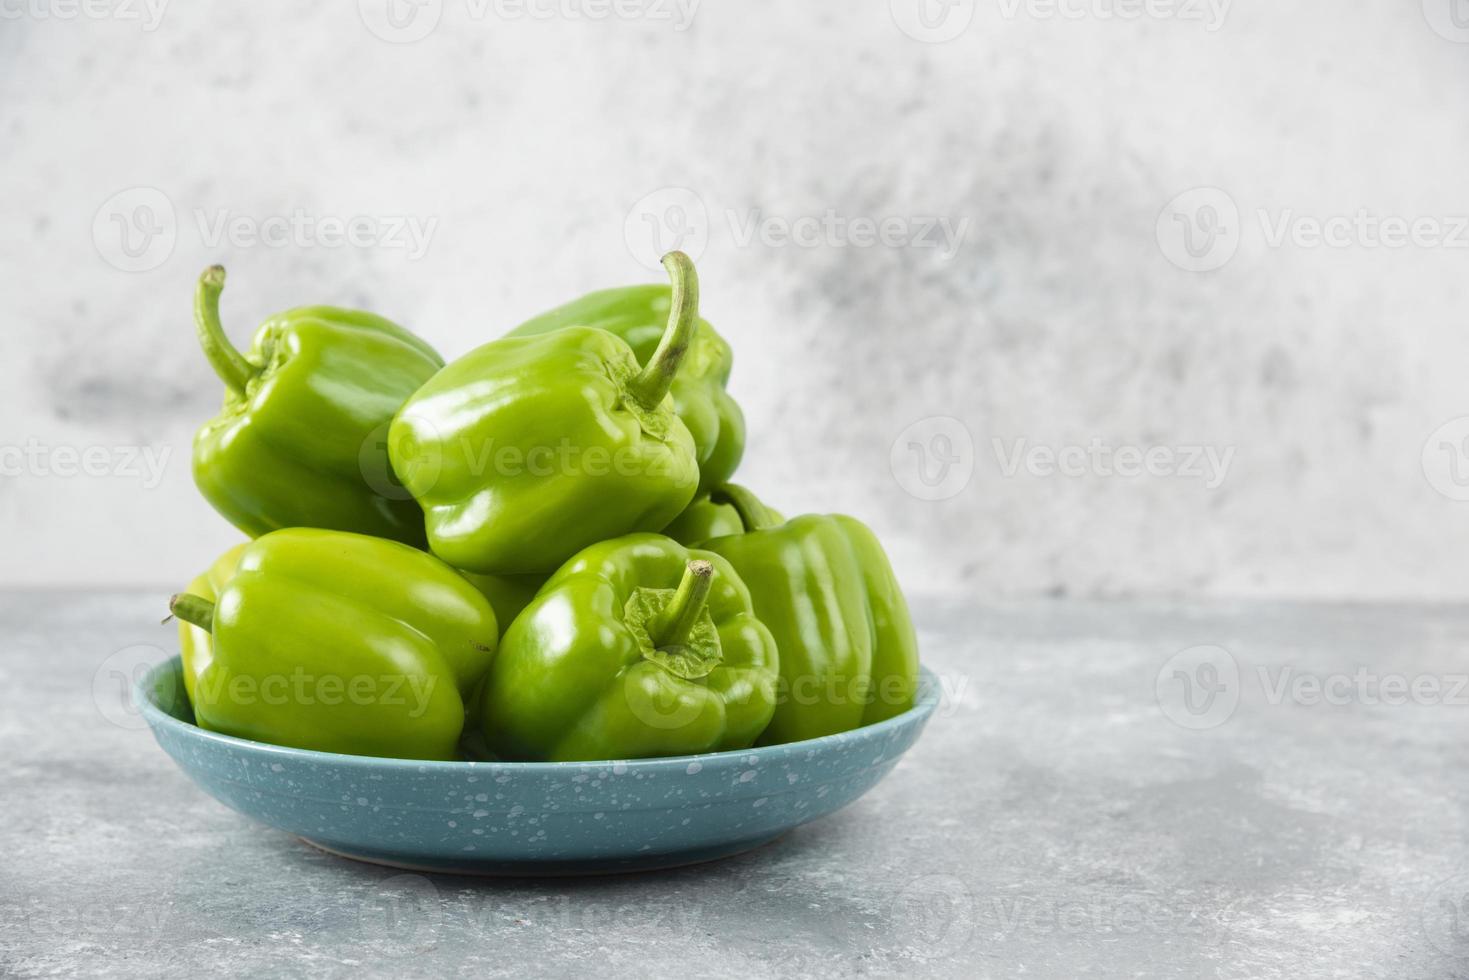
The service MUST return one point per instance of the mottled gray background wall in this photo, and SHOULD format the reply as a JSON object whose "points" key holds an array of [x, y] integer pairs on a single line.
{"points": [[1220, 247]]}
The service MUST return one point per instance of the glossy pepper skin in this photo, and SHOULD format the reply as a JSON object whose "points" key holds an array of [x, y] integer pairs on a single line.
{"points": [[528, 449], [344, 643], [704, 519], [637, 647], [508, 594], [824, 587], [638, 314], [195, 644], [301, 440]]}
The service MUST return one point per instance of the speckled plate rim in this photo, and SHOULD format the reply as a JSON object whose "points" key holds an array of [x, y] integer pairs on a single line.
{"points": [[927, 700]]}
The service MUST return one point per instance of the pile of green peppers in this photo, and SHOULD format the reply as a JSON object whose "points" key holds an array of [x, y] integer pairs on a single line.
{"points": [[533, 553]]}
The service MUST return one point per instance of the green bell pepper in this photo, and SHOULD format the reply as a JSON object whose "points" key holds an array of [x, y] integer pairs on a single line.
{"points": [[344, 643], [473, 445], [637, 647], [637, 314], [195, 644], [824, 587], [508, 594], [301, 440], [704, 519]]}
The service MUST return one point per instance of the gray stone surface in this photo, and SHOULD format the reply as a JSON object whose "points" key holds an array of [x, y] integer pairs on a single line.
{"points": [[1056, 820]]}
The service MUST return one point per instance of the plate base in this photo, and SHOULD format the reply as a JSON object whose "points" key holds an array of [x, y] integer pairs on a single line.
{"points": [[549, 868]]}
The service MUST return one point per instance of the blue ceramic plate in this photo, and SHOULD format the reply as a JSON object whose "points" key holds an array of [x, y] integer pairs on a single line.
{"points": [[531, 818]]}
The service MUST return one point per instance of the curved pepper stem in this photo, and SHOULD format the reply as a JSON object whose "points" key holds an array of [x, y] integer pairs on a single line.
{"points": [[651, 385], [674, 625], [194, 610], [753, 514], [231, 366]]}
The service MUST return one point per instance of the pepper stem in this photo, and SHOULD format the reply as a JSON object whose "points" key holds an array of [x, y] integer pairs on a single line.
{"points": [[651, 385], [227, 362], [192, 609], [753, 514], [676, 622]]}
